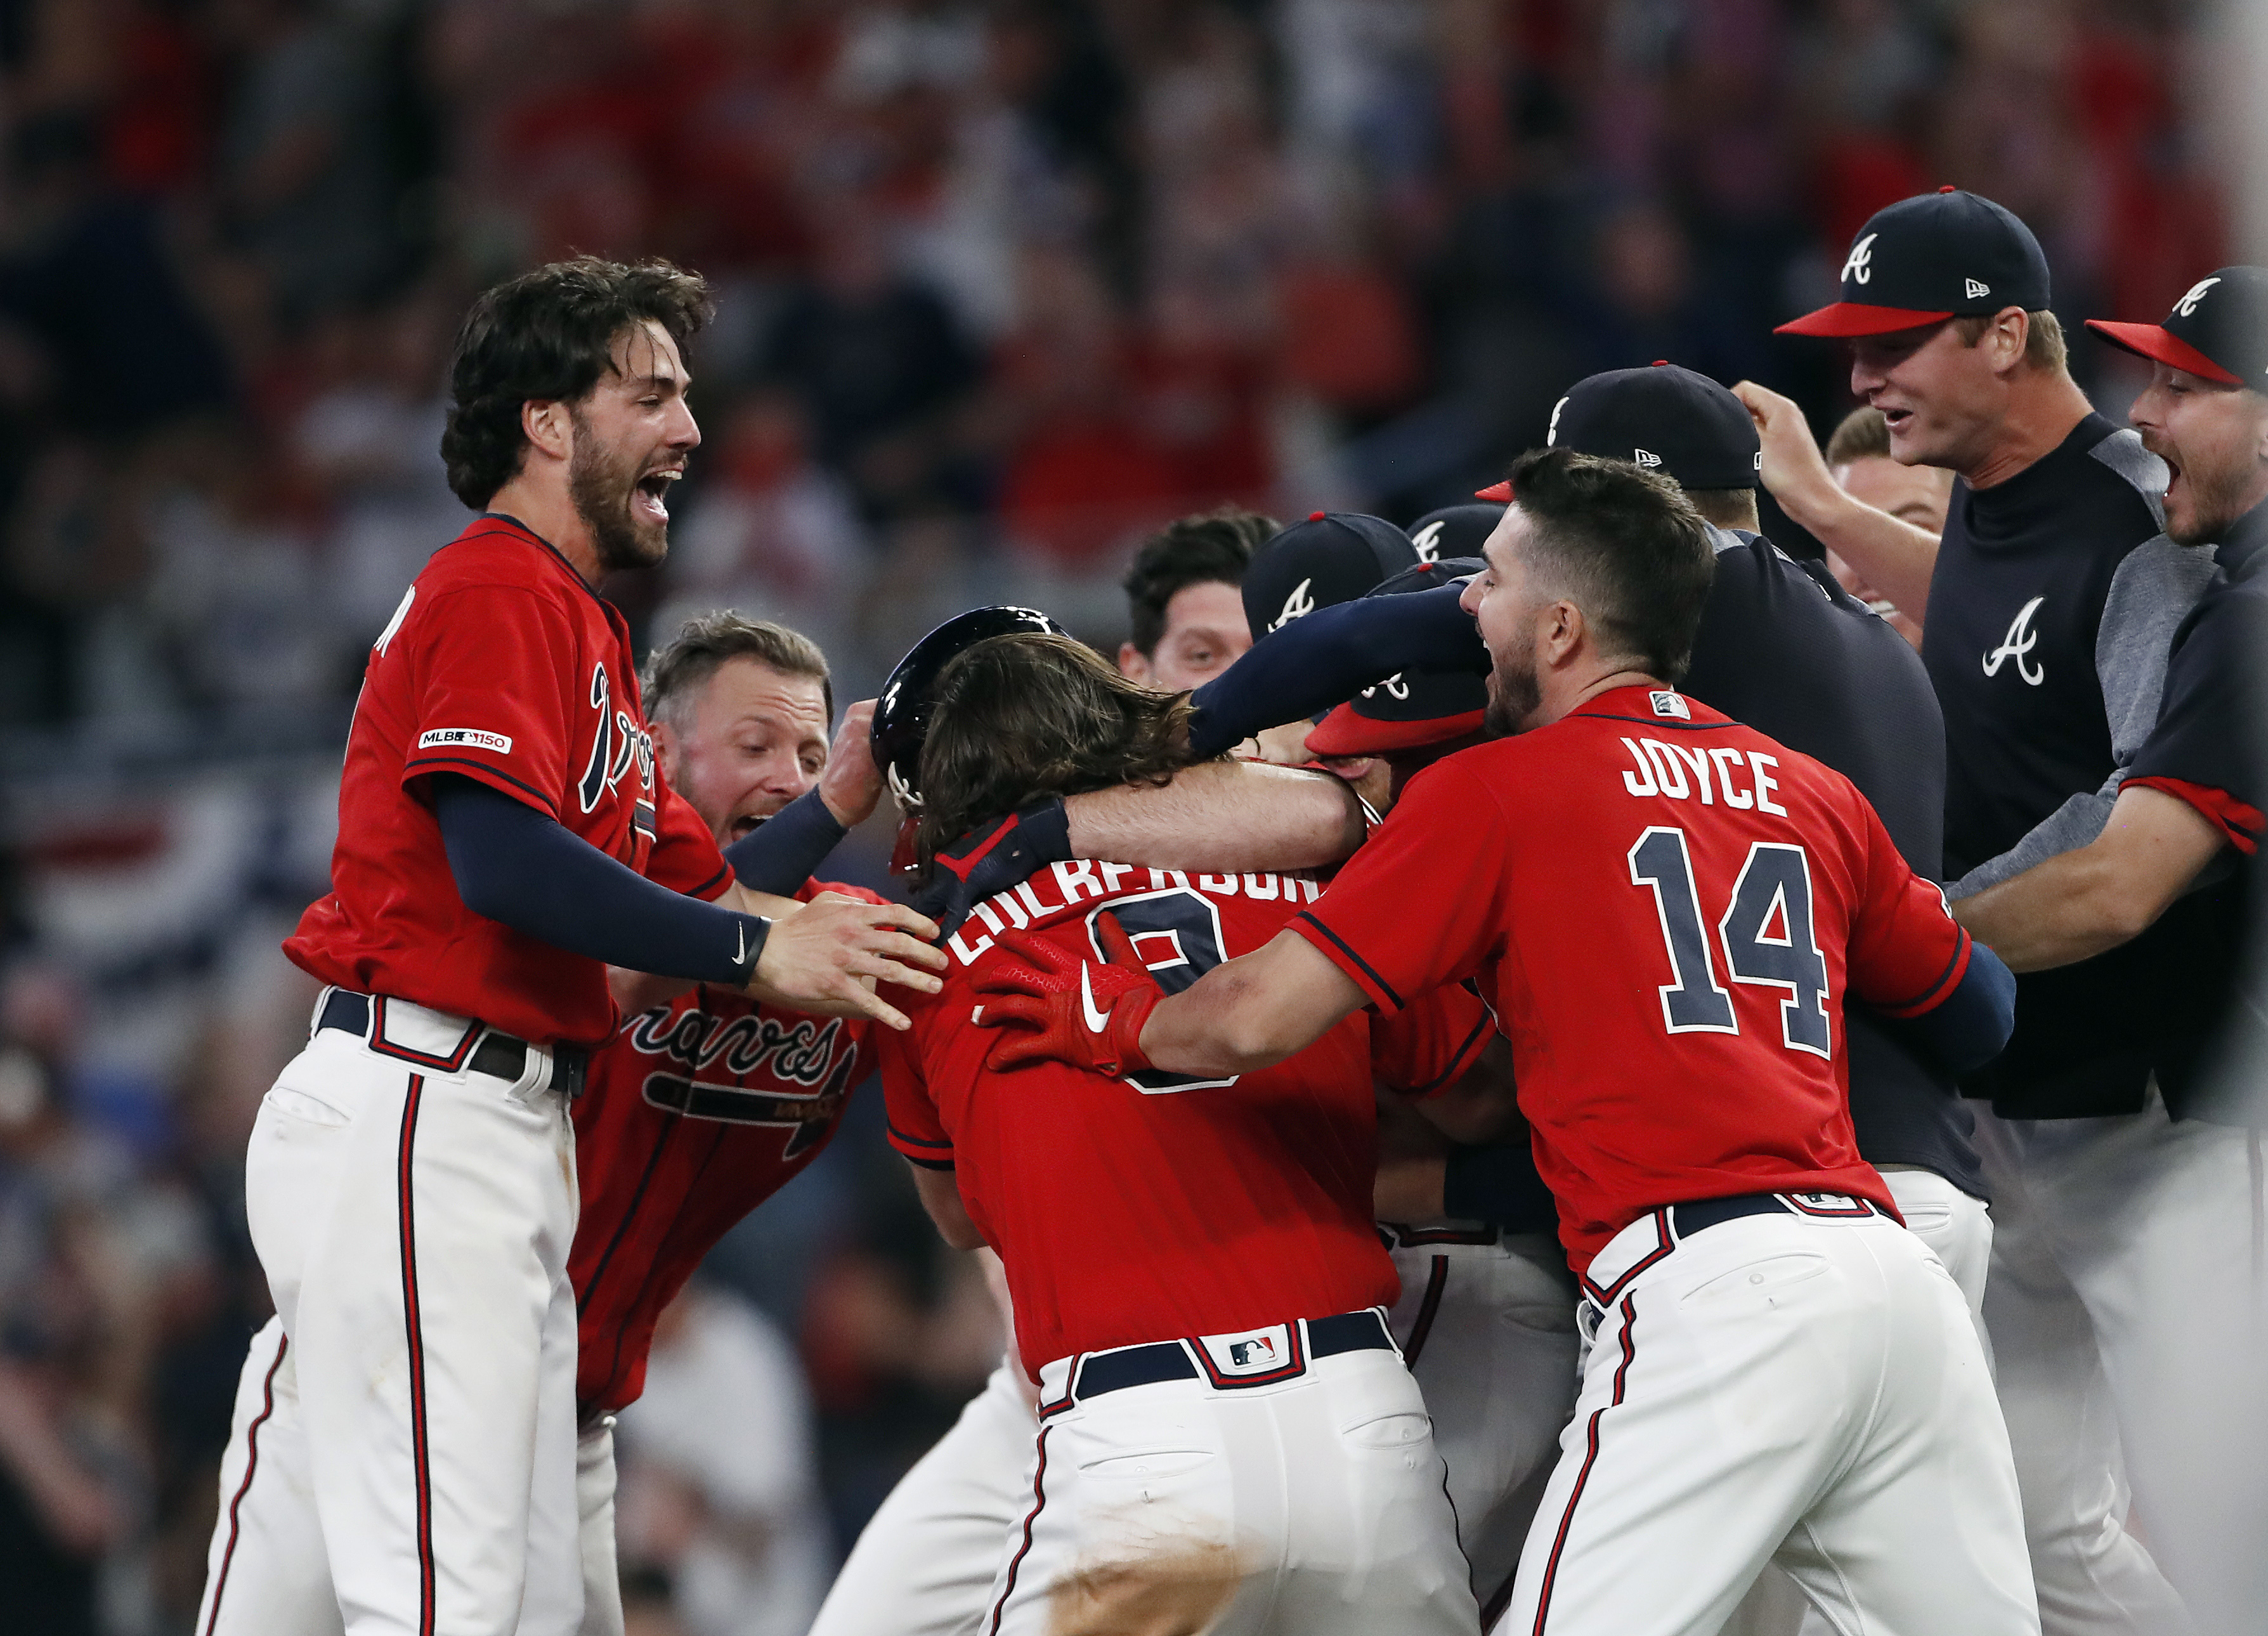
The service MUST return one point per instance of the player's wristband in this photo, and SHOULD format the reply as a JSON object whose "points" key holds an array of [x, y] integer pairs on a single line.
{"points": [[756, 931], [1498, 1184]]}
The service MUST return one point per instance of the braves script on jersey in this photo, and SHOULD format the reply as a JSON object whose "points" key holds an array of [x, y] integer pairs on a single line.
{"points": [[696, 1113], [501, 665], [1162, 1205], [1664, 908]]}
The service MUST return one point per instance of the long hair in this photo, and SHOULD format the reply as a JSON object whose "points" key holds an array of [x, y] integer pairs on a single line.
{"points": [[1026, 715]]}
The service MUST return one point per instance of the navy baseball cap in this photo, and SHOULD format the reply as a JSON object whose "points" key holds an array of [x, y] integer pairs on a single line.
{"points": [[1665, 419], [1454, 530], [1334, 556], [1417, 707], [2218, 331], [1935, 256]]}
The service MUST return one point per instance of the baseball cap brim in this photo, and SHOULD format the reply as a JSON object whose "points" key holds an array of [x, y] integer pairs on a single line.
{"points": [[1345, 733], [1501, 493], [2161, 345], [1855, 318]]}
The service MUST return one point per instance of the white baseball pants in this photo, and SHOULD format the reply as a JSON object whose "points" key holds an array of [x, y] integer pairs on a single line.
{"points": [[1487, 1325], [1957, 1227], [925, 1561], [2126, 1305], [1311, 1506], [414, 1223], [1802, 1390], [267, 1574]]}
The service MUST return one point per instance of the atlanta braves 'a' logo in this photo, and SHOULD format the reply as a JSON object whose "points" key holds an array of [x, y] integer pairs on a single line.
{"points": [[1860, 268], [1428, 540], [1298, 605], [2018, 645], [618, 741], [2187, 305]]}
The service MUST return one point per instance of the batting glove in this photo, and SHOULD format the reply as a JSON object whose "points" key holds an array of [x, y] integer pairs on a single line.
{"points": [[1002, 856], [1056, 1007]]}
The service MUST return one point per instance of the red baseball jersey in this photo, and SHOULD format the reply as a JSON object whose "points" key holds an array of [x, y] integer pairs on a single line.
{"points": [[501, 665], [1664, 908], [1163, 1206], [694, 1114]]}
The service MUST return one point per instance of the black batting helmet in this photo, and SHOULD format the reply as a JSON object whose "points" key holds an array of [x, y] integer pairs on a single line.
{"points": [[901, 714]]}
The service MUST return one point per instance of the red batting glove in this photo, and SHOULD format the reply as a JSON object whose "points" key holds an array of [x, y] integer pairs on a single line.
{"points": [[1055, 1007]]}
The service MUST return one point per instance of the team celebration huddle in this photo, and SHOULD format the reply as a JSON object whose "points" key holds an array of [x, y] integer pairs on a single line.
{"points": [[1562, 1071]]}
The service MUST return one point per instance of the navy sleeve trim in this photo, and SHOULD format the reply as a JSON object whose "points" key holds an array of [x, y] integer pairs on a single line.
{"points": [[1459, 1061], [1961, 949], [719, 878], [1348, 949], [918, 1141], [424, 764]]}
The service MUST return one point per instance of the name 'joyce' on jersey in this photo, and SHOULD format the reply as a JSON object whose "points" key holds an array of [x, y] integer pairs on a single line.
{"points": [[1740, 779]]}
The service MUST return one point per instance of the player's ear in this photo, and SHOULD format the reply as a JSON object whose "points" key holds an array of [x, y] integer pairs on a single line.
{"points": [[1133, 663], [548, 427]]}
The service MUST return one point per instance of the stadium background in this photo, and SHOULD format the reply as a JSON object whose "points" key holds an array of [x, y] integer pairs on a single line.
{"points": [[1001, 286]]}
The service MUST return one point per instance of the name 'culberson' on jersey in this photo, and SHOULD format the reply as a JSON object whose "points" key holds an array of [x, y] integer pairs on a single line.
{"points": [[1160, 1206]]}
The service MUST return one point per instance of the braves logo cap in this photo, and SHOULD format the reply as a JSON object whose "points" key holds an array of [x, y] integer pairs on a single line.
{"points": [[1417, 707], [1935, 256], [1664, 419], [1454, 531], [1334, 556], [2218, 331]]}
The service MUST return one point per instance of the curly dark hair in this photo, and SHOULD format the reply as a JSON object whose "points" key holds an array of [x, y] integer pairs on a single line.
{"points": [[1028, 714], [1628, 544], [1214, 545], [549, 336]]}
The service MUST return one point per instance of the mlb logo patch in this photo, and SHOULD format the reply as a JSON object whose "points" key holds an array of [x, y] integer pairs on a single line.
{"points": [[1671, 704], [1252, 1355]]}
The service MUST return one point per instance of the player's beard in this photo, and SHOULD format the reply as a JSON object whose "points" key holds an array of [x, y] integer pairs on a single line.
{"points": [[2216, 498], [601, 481], [1514, 691]]}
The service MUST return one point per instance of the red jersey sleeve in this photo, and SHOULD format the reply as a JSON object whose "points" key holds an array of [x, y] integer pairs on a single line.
{"points": [[1421, 903], [486, 690], [1420, 1049], [1906, 952], [685, 857], [914, 1128]]}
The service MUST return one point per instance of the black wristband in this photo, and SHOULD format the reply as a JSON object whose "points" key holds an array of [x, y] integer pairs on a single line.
{"points": [[756, 931], [1500, 1186]]}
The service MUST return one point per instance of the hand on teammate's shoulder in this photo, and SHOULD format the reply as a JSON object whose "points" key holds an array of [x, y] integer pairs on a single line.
{"points": [[1001, 855]]}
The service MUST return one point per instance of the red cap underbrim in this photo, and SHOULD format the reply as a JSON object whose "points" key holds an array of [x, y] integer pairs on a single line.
{"points": [[2161, 345], [1855, 318], [1345, 733], [1501, 493]]}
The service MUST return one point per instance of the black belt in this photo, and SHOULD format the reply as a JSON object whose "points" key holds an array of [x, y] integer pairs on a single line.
{"points": [[498, 1054], [1169, 1360], [1689, 1219]]}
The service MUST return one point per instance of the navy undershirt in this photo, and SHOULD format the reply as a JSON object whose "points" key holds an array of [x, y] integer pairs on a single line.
{"points": [[524, 869]]}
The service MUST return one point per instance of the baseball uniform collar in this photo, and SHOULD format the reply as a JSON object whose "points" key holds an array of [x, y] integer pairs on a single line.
{"points": [[2240, 551], [551, 551]]}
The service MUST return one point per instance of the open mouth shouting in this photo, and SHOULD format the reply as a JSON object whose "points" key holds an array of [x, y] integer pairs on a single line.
{"points": [[649, 498]]}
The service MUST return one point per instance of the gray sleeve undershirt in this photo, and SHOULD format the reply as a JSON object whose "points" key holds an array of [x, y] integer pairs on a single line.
{"points": [[2154, 590]]}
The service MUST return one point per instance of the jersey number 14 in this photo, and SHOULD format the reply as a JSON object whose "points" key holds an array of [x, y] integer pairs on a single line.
{"points": [[1765, 932]]}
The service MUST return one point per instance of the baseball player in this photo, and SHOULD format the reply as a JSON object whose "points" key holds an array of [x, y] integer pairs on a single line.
{"points": [[503, 838], [1188, 617], [1780, 1371], [1225, 1430], [2052, 600], [692, 1115], [2118, 1209]]}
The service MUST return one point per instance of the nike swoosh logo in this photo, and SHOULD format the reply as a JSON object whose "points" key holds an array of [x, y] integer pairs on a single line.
{"points": [[1096, 1021], [740, 954]]}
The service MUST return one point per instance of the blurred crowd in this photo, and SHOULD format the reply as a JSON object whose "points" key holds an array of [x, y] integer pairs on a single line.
{"points": [[1001, 287]]}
